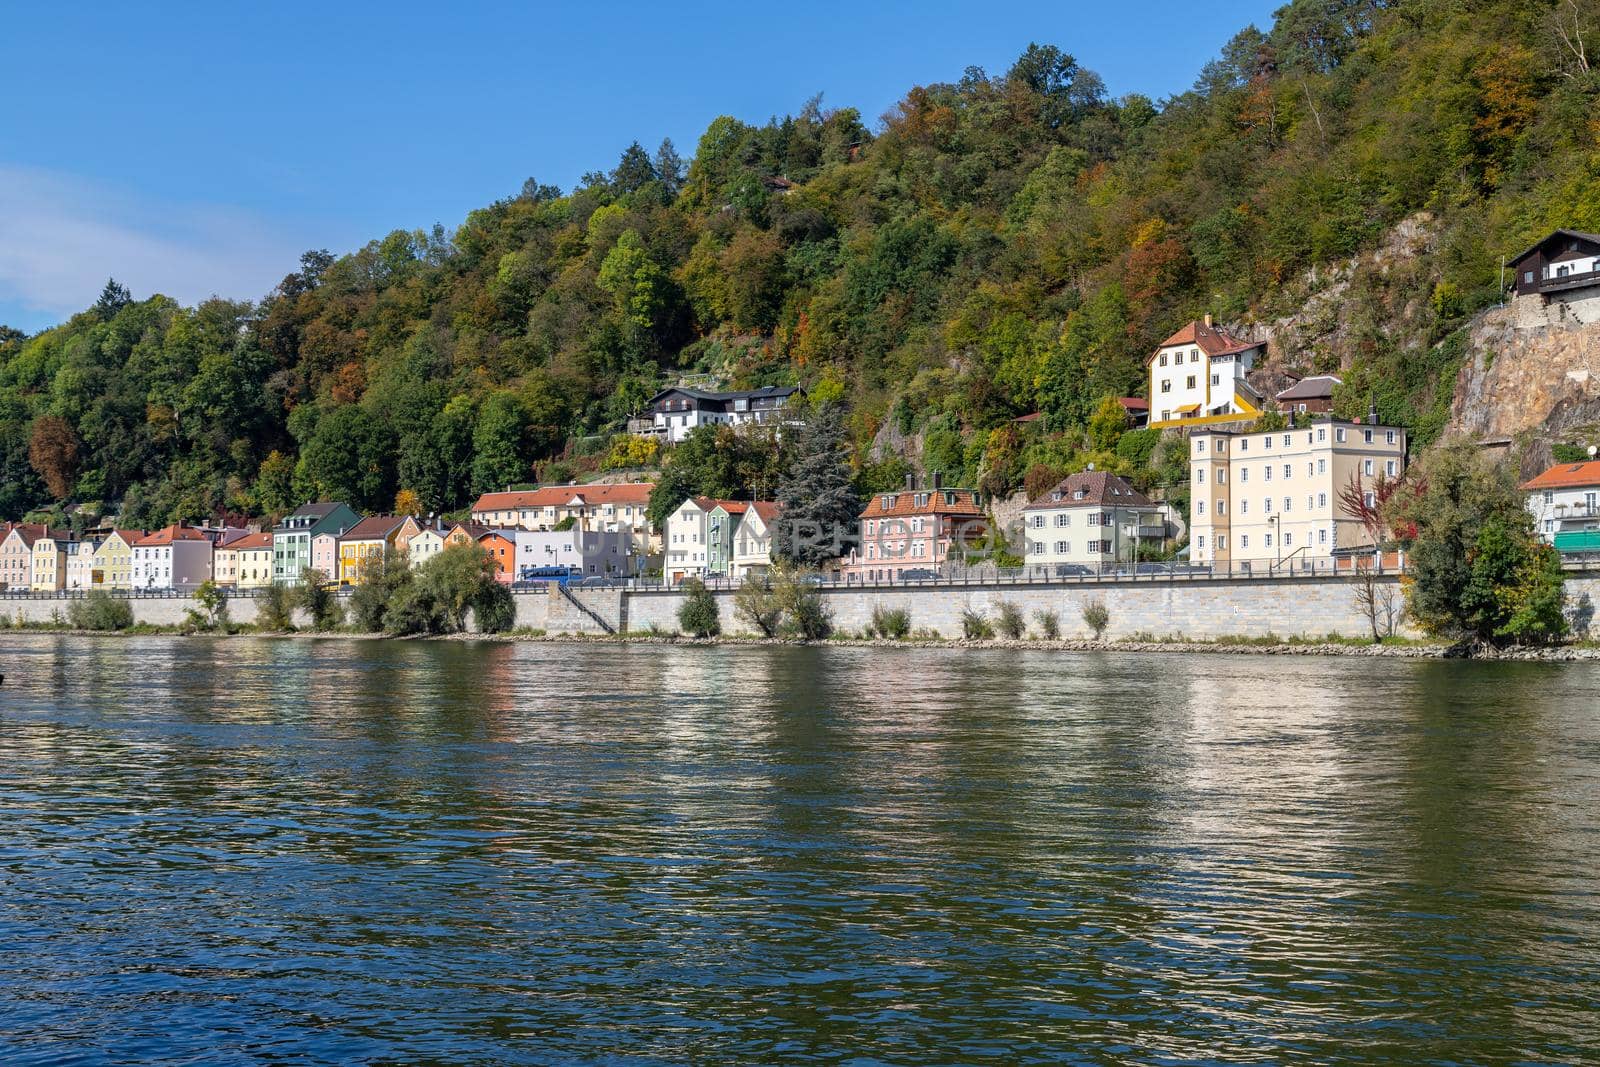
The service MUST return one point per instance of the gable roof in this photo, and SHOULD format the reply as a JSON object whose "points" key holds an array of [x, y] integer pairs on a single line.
{"points": [[555, 496], [169, 534], [766, 510], [1593, 238], [1567, 476], [1211, 340], [1316, 387], [963, 503], [374, 528], [29, 532], [711, 503], [1099, 489], [249, 542], [710, 399]]}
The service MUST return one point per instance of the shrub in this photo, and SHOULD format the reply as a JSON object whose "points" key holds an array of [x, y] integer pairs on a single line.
{"points": [[758, 604], [275, 608], [974, 626], [807, 617], [1049, 624], [97, 611], [315, 597], [893, 623], [382, 580], [438, 595], [1011, 623], [212, 601], [1096, 617], [698, 613]]}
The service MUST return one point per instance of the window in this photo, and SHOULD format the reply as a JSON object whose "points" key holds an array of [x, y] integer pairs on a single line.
{"points": [[1322, 466], [1244, 445], [1166, 385], [1390, 467], [1038, 521], [1370, 499], [1388, 437], [1288, 539], [1200, 476], [1527, 276], [1285, 440], [1549, 496], [1244, 507], [1266, 505], [1267, 472], [1322, 433], [1287, 504], [1200, 542], [1190, 382], [1244, 540], [1311, 501], [1366, 467], [1366, 437], [1266, 540], [1244, 474], [1266, 442], [1163, 363], [1322, 537], [1222, 541], [1222, 507], [1064, 519], [1166, 414], [1287, 473], [1222, 475], [1063, 547], [1216, 379], [1200, 507], [1338, 435]]}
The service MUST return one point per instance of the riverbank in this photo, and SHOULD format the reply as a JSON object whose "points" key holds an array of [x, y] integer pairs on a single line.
{"points": [[1333, 647]]}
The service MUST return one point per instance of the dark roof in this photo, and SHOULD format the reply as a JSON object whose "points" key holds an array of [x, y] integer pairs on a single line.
{"points": [[374, 528], [1592, 238], [1316, 387], [709, 397], [1099, 488], [319, 510]]}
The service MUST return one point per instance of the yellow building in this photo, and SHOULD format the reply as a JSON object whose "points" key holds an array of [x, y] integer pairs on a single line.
{"points": [[113, 560], [50, 561], [252, 560], [369, 539]]}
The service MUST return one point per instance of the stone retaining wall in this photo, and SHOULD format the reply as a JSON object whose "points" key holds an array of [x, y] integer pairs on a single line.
{"points": [[1287, 607]]}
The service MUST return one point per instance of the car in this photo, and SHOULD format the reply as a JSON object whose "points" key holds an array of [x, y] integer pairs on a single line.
{"points": [[919, 574], [1073, 570], [600, 580]]}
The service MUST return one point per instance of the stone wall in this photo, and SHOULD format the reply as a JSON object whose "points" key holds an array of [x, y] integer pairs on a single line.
{"points": [[1287, 607]]}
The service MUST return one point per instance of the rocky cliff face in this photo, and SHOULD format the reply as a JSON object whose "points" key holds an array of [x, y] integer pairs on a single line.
{"points": [[1532, 375]]}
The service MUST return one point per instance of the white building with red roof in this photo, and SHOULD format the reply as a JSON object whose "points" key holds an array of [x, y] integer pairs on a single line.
{"points": [[1089, 521], [176, 558], [1199, 373], [615, 508], [1565, 500]]}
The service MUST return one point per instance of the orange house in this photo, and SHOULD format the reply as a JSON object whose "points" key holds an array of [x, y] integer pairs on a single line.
{"points": [[502, 550]]}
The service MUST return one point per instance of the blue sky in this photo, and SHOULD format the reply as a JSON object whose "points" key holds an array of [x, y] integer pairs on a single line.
{"points": [[198, 149]]}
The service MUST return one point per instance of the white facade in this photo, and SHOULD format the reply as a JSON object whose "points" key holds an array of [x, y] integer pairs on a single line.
{"points": [[1566, 509], [752, 541], [177, 565], [81, 564], [587, 552], [685, 542]]}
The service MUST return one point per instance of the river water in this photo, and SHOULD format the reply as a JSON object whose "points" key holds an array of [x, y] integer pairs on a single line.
{"points": [[295, 851]]}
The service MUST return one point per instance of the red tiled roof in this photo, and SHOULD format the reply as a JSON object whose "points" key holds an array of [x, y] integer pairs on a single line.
{"points": [[732, 507], [30, 532], [1133, 403], [551, 496], [1567, 476], [1211, 340], [903, 502], [374, 528], [1099, 489], [168, 534], [767, 509], [249, 541]]}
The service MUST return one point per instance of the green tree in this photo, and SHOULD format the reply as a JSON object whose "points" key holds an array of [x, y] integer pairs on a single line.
{"points": [[757, 604], [315, 596], [820, 506], [698, 614], [497, 441]]}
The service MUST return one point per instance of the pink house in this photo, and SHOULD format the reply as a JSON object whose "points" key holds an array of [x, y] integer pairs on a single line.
{"points": [[913, 530]]}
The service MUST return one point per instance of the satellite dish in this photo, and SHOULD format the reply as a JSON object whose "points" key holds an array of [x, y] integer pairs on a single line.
{"points": [[1592, 451]]}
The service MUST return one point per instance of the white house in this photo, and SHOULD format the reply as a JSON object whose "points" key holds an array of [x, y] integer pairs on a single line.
{"points": [[1091, 520], [177, 558], [676, 412], [617, 507], [752, 539], [1199, 373], [1565, 502], [81, 563], [588, 552]]}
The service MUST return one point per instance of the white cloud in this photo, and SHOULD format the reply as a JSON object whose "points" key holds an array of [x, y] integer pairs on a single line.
{"points": [[61, 237]]}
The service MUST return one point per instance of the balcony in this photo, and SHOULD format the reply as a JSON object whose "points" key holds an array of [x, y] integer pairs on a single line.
{"points": [[1560, 283]]}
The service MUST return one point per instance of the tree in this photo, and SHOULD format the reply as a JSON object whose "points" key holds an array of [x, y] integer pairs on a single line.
{"points": [[498, 458], [1107, 424], [212, 600], [1096, 617], [99, 610], [53, 452], [275, 609], [113, 298], [806, 616], [698, 614], [407, 502], [820, 507], [757, 604], [1479, 574], [275, 484], [314, 596]]}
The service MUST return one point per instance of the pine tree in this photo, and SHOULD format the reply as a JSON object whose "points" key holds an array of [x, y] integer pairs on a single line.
{"points": [[820, 505]]}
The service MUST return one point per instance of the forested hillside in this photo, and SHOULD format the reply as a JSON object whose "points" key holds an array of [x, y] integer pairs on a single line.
{"points": [[995, 245]]}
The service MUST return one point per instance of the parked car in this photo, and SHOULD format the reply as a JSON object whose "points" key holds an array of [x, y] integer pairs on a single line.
{"points": [[1073, 570], [601, 580], [919, 574]]}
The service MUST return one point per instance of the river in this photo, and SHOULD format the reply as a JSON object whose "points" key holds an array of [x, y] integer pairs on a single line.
{"points": [[307, 851]]}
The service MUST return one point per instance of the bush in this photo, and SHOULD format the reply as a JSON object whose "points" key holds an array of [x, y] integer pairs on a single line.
{"points": [[97, 611], [757, 604], [1049, 624], [698, 615], [1011, 623], [382, 580], [974, 626], [807, 617], [438, 595], [315, 597], [893, 623], [1096, 617], [275, 609]]}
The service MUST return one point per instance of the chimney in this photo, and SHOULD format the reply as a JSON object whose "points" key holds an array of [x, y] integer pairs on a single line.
{"points": [[1208, 320], [938, 479]]}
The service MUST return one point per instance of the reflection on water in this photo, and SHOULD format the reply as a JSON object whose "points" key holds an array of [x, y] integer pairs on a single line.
{"points": [[350, 851]]}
